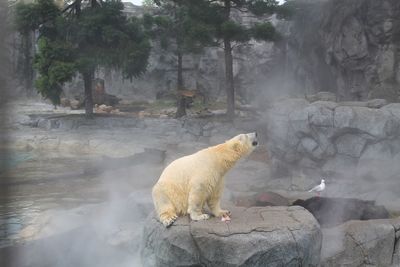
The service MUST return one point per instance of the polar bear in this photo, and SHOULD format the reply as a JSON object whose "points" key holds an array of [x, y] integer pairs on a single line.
{"points": [[190, 182]]}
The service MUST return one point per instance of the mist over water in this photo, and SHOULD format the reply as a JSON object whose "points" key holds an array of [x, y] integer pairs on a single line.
{"points": [[92, 220], [66, 205]]}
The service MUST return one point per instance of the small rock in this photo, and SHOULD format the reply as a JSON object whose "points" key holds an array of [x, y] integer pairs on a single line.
{"points": [[103, 108], [65, 102], [75, 104], [376, 103]]}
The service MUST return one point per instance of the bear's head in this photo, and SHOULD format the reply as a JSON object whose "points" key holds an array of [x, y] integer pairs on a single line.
{"points": [[244, 144]]}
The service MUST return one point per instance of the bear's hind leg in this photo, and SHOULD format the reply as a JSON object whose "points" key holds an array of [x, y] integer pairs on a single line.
{"points": [[165, 210]]}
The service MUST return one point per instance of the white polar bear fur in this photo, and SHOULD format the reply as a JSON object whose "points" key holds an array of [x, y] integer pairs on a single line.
{"points": [[190, 182]]}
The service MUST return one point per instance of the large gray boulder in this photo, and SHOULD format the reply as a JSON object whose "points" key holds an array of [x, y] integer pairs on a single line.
{"points": [[257, 236], [360, 243]]}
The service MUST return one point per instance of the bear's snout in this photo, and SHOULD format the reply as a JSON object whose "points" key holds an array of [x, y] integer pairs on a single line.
{"points": [[253, 138]]}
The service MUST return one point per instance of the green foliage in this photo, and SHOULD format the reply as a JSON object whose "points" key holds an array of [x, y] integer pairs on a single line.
{"points": [[99, 36], [287, 10], [25, 17], [182, 23], [228, 29], [148, 21], [261, 7], [136, 57], [148, 3], [263, 32], [234, 31], [30, 16], [55, 64]]}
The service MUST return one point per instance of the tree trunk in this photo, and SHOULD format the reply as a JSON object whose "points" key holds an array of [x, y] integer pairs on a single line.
{"points": [[78, 8], [28, 66], [230, 89], [181, 109], [87, 79]]}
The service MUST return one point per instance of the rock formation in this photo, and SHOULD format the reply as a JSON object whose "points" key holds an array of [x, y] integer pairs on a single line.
{"points": [[339, 139], [361, 243], [271, 236], [353, 48]]}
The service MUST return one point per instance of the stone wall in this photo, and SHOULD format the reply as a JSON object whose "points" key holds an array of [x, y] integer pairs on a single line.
{"points": [[341, 140], [76, 134]]}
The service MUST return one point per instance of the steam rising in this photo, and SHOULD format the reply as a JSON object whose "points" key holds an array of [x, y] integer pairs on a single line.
{"points": [[102, 226]]}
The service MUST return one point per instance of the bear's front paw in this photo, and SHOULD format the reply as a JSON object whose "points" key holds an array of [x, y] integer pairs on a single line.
{"points": [[168, 220], [222, 213], [199, 217]]}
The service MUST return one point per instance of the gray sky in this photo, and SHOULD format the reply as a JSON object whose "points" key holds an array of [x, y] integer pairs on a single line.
{"points": [[139, 2]]}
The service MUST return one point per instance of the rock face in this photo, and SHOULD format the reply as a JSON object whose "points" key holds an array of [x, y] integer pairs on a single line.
{"points": [[270, 236], [340, 140], [361, 243], [346, 47]]}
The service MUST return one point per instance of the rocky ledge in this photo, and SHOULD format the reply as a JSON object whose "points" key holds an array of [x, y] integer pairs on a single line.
{"points": [[257, 236]]}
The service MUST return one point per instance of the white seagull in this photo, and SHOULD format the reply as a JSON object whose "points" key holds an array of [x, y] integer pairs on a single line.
{"points": [[319, 188]]}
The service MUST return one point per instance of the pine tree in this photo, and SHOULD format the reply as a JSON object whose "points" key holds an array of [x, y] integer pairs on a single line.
{"points": [[231, 33], [180, 26], [81, 38]]}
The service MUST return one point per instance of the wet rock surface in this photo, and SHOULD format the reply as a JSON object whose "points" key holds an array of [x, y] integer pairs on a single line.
{"points": [[258, 236], [360, 243]]}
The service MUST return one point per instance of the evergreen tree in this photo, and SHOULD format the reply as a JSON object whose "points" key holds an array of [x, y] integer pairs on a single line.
{"points": [[81, 38], [181, 26], [231, 33]]}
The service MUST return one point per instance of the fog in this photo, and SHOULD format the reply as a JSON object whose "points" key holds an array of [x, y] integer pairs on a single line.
{"points": [[101, 224], [80, 197]]}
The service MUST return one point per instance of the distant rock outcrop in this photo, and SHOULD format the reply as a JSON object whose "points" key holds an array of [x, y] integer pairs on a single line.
{"points": [[267, 236]]}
